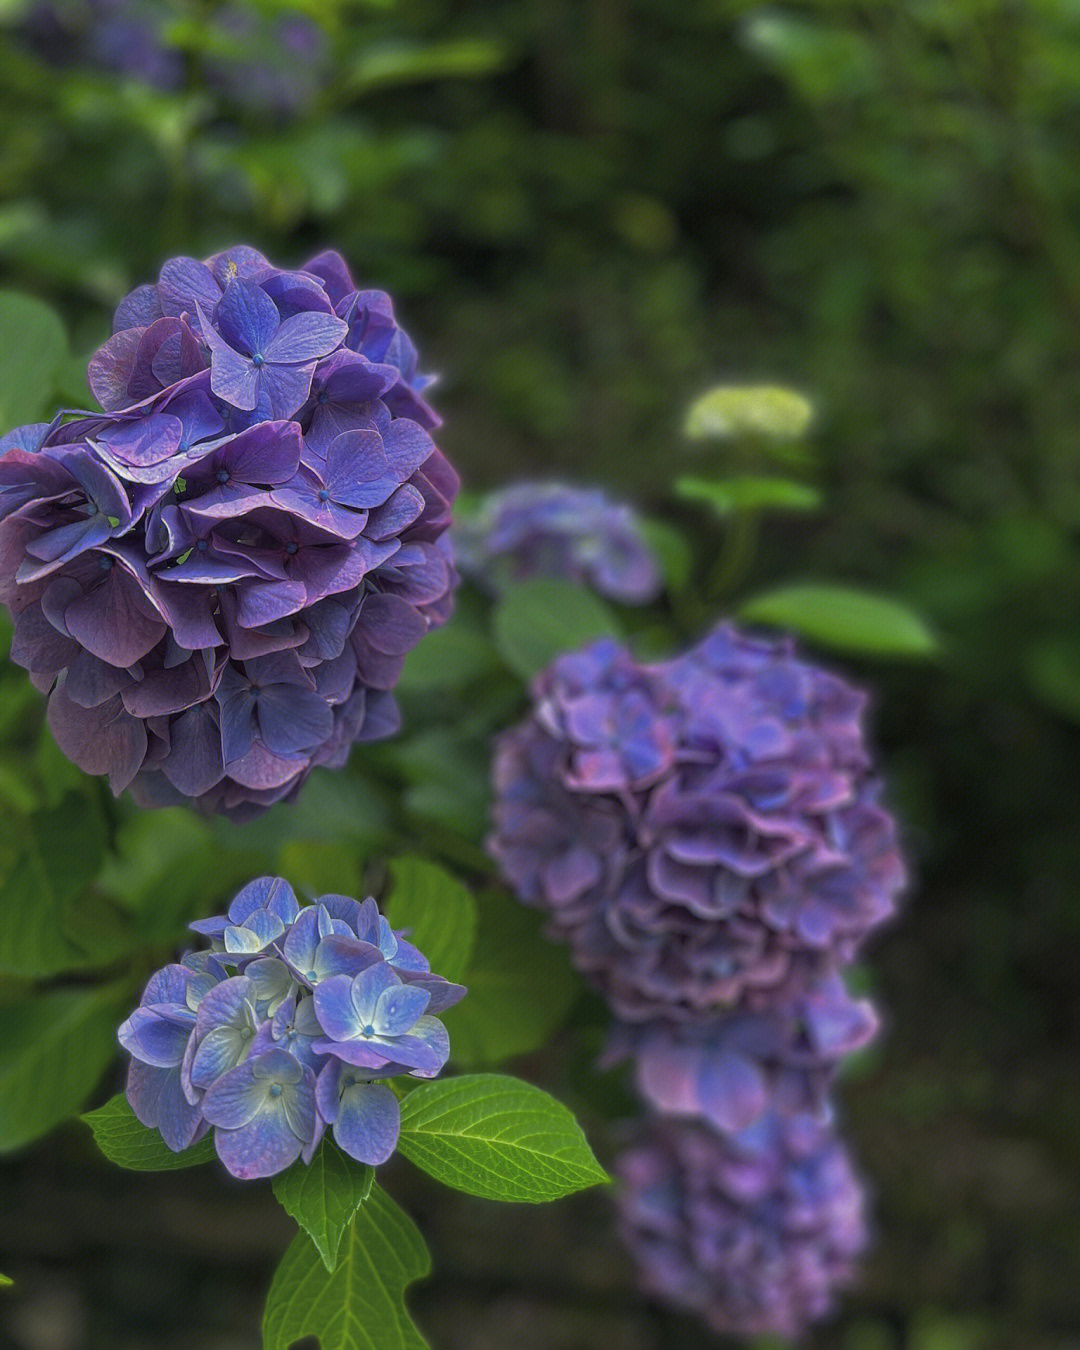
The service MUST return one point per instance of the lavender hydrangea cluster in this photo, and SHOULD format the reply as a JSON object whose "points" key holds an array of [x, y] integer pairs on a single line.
{"points": [[286, 1027], [552, 530], [755, 1232], [217, 578], [701, 831]]}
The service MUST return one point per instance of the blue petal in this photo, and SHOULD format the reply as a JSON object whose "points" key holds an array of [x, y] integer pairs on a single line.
{"points": [[262, 1147], [158, 1101], [334, 1008], [247, 318], [425, 1049], [227, 1004], [367, 988], [236, 1098], [398, 1008], [158, 1035], [368, 1122], [220, 1050], [338, 955]]}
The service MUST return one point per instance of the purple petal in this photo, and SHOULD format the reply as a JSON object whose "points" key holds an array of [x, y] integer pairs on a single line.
{"points": [[398, 1009], [305, 337], [334, 1008], [368, 1123], [158, 1035], [246, 317]]}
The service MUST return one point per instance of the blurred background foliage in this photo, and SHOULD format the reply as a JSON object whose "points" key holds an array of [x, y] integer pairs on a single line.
{"points": [[589, 211]]}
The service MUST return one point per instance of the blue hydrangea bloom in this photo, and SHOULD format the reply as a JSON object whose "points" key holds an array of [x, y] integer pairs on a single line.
{"points": [[697, 830], [217, 579], [553, 530], [757, 1232], [285, 1028]]}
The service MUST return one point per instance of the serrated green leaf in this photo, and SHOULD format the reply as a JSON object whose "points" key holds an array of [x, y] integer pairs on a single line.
{"points": [[438, 911], [845, 619], [56, 855], [35, 348], [361, 1306], [323, 1196], [535, 621], [749, 493], [521, 988], [496, 1137], [125, 1141], [56, 1047]]}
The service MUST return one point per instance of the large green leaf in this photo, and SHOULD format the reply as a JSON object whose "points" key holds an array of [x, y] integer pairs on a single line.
{"points": [[35, 349], [127, 1142], [748, 492], [521, 988], [438, 912], [845, 619], [361, 1305], [57, 852], [56, 1047], [323, 1197], [496, 1137], [537, 620]]}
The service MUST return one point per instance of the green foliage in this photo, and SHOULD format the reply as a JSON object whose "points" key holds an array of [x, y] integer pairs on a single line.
{"points": [[124, 1140], [498, 1138], [845, 619], [521, 988], [745, 493], [57, 1046], [360, 1305], [35, 348], [536, 620], [437, 912], [323, 1197]]}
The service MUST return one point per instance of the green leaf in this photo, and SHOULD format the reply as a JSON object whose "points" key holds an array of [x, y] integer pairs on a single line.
{"points": [[6, 1281], [845, 619], [324, 1196], [125, 1141], [35, 348], [749, 493], [757, 410], [671, 550], [1053, 675], [537, 620], [58, 852], [439, 913], [395, 64], [361, 1306], [521, 988], [56, 1047], [496, 1137], [450, 658]]}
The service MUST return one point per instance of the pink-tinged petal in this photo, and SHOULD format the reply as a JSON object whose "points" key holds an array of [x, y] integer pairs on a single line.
{"points": [[114, 619], [305, 337], [391, 625], [267, 453], [732, 1092], [670, 1079], [110, 369], [105, 739], [184, 285], [368, 1123], [262, 771]]}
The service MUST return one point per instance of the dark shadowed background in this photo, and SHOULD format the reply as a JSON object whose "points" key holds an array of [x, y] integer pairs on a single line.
{"points": [[588, 211]]}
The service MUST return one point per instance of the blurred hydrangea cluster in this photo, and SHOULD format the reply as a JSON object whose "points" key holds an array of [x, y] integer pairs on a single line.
{"points": [[218, 578], [706, 835], [285, 1028], [551, 530], [756, 1232], [272, 63]]}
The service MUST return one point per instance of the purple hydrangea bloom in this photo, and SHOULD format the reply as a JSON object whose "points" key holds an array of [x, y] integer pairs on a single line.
{"points": [[756, 1233], [551, 530], [218, 578], [698, 829], [766, 1055], [285, 1029]]}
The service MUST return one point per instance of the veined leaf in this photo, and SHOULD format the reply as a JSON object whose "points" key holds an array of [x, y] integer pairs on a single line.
{"points": [[843, 618], [438, 912], [535, 621], [126, 1141], [323, 1197]]}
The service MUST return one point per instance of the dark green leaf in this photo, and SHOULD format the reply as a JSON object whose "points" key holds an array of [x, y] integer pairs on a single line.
{"points": [[361, 1306], [438, 912], [535, 621], [125, 1141], [845, 619], [450, 658], [56, 1047], [1053, 675], [671, 550], [496, 1137], [35, 349], [323, 1196]]}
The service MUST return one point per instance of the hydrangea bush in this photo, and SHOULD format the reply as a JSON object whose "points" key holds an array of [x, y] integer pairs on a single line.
{"points": [[218, 577], [284, 1028], [756, 1232]]}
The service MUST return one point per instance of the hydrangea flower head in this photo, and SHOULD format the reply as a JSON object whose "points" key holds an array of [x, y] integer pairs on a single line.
{"points": [[756, 1232], [217, 579], [285, 1028], [552, 530], [698, 829]]}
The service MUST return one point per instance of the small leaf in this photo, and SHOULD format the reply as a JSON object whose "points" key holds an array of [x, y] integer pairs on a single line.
{"points": [[56, 1047], [438, 912], [747, 493], [535, 621], [845, 619], [125, 1141], [324, 1196], [397, 64], [361, 1306], [763, 410], [35, 348], [6, 1281], [521, 988], [496, 1137]]}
